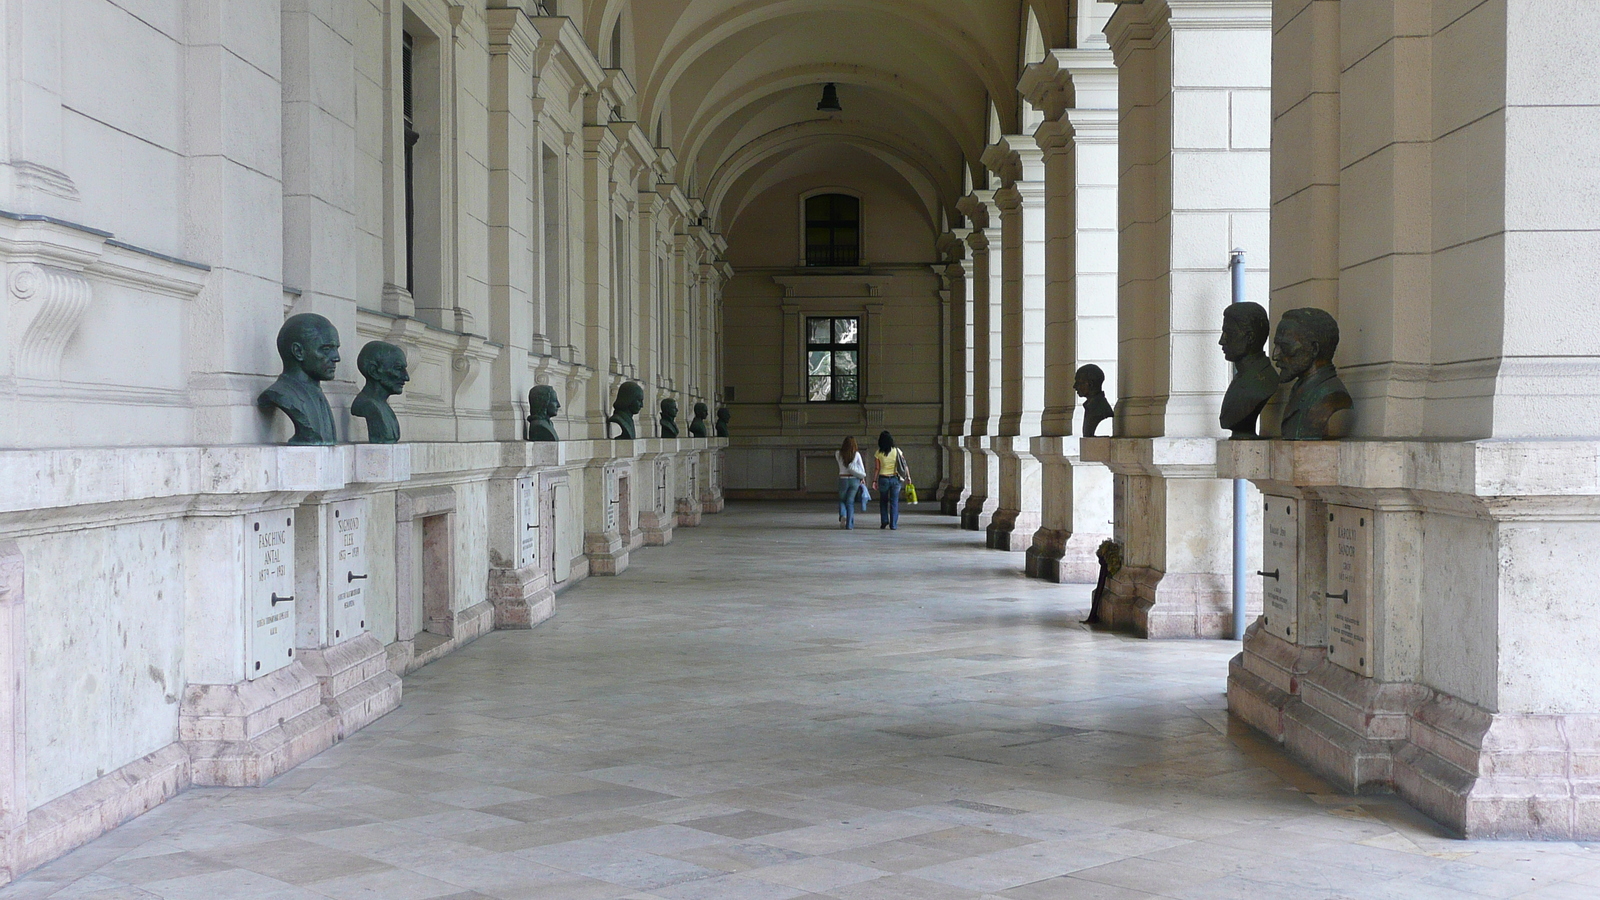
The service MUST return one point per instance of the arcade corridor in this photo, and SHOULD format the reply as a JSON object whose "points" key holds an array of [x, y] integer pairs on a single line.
{"points": [[774, 708]]}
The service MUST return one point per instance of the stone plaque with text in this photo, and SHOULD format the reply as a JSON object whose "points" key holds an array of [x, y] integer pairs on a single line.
{"points": [[269, 556], [527, 523], [1349, 590], [613, 499], [1280, 579], [348, 568]]}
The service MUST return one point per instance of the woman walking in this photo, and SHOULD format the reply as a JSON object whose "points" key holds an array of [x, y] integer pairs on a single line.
{"points": [[889, 473], [851, 473]]}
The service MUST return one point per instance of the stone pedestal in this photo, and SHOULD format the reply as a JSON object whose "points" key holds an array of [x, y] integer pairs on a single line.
{"points": [[658, 502], [983, 499], [955, 493], [712, 465], [1017, 517], [1074, 492], [688, 508], [1175, 523], [357, 686], [1438, 650], [245, 734]]}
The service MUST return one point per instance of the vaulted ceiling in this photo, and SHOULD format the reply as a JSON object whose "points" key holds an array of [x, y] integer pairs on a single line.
{"points": [[734, 84]]}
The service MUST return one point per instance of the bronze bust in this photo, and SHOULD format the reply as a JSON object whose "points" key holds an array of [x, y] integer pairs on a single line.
{"points": [[724, 416], [542, 408], [629, 403], [1319, 405], [384, 367], [697, 425], [669, 418], [1090, 384], [308, 344], [1244, 338]]}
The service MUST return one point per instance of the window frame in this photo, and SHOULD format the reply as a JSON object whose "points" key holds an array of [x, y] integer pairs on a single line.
{"points": [[805, 229], [833, 347]]}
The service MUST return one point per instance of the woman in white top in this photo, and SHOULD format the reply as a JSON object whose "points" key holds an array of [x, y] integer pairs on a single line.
{"points": [[851, 471]]}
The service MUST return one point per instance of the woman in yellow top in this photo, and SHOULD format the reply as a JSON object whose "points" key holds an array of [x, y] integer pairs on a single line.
{"points": [[890, 473]]}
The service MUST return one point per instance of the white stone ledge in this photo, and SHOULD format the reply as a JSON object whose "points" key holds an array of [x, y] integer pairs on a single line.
{"points": [[58, 479], [1166, 457], [1488, 468]]}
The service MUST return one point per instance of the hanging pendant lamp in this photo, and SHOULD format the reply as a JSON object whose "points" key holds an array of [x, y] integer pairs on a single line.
{"points": [[830, 99]]}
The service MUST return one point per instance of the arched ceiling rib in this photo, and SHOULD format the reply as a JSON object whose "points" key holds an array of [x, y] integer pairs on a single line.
{"points": [[740, 80]]}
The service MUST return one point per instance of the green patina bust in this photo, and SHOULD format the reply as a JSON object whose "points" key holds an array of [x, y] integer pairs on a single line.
{"points": [[724, 416], [1090, 384], [1244, 338], [542, 407], [629, 403], [669, 418], [384, 367], [308, 344], [697, 425], [1319, 405]]}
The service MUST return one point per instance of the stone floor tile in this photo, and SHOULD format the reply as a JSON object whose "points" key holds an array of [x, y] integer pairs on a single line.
{"points": [[818, 874], [1071, 887], [394, 884], [234, 884]]}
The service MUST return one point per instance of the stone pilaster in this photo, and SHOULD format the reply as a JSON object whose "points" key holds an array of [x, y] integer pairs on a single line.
{"points": [[983, 495]]}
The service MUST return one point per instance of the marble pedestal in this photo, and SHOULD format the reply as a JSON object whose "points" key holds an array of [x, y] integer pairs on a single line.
{"points": [[953, 492], [357, 686], [1174, 519], [984, 496], [712, 465], [1473, 692], [1017, 516], [244, 734], [522, 598], [1075, 514]]}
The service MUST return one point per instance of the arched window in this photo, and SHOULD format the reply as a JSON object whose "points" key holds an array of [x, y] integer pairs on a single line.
{"points": [[833, 230]]}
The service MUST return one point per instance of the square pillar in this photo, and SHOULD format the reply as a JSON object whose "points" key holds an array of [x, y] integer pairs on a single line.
{"points": [[983, 496]]}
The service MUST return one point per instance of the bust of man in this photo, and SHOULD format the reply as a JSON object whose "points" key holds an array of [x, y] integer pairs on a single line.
{"points": [[697, 425], [724, 416], [629, 403], [1090, 384], [542, 408], [384, 367], [669, 418], [1319, 405], [1244, 340], [308, 344]]}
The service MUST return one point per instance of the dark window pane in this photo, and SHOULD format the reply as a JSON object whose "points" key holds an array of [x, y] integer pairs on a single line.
{"points": [[818, 208], [846, 331], [844, 362], [817, 331], [821, 388], [847, 388]]}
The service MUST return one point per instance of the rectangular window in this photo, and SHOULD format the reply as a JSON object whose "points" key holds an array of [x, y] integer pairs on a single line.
{"points": [[833, 230], [833, 360]]}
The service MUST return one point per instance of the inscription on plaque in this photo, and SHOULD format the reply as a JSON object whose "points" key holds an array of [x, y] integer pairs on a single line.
{"points": [[1280, 574], [348, 568], [613, 499], [561, 563], [1349, 590], [269, 543], [662, 501], [527, 523]]}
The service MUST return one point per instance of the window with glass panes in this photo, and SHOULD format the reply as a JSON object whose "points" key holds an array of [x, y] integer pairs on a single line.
{"points": [[833, 360], [833, 230]]}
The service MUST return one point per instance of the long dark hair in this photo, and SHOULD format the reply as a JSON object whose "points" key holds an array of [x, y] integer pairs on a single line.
{"points": [[885, 442], [848, 450]]}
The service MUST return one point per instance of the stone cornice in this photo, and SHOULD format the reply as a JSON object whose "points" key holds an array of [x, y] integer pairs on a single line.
{"points": [[560, 41]]}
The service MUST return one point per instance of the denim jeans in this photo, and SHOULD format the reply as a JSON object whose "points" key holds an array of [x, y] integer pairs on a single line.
{"points": [[889, 500], [848, 486]]}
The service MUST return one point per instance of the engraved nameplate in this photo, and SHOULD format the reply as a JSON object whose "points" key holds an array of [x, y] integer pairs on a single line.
{"points": [[527, 523], [1280, 571], [1349, 592], [348, 570], [269, 556]]}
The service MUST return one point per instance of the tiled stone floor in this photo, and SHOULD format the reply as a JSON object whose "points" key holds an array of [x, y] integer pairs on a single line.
{"points": [[773, 708]]}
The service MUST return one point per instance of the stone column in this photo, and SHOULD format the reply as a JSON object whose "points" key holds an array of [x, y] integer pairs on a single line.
{"points": [[514, 160], [1194, 82], [1019, 161], [958, 369], [600, 146], [1077, 92], [984, 495], [1453, 660]]}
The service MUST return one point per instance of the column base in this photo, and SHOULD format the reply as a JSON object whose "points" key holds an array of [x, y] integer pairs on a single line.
{"points": [[1011, 530], [689, 513], [607, 553], [245, 734], [1059, 557], [951, 501], [522, 598], [357, 686], [1265, 677], [1163, 606], [656, 528]]}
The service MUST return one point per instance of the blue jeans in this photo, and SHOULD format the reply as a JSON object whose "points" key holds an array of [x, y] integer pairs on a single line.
{"points": [[889, 500], [848, 486]]}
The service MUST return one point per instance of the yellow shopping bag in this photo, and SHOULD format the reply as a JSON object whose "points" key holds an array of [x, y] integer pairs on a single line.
{"points": [[910, 493]]}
